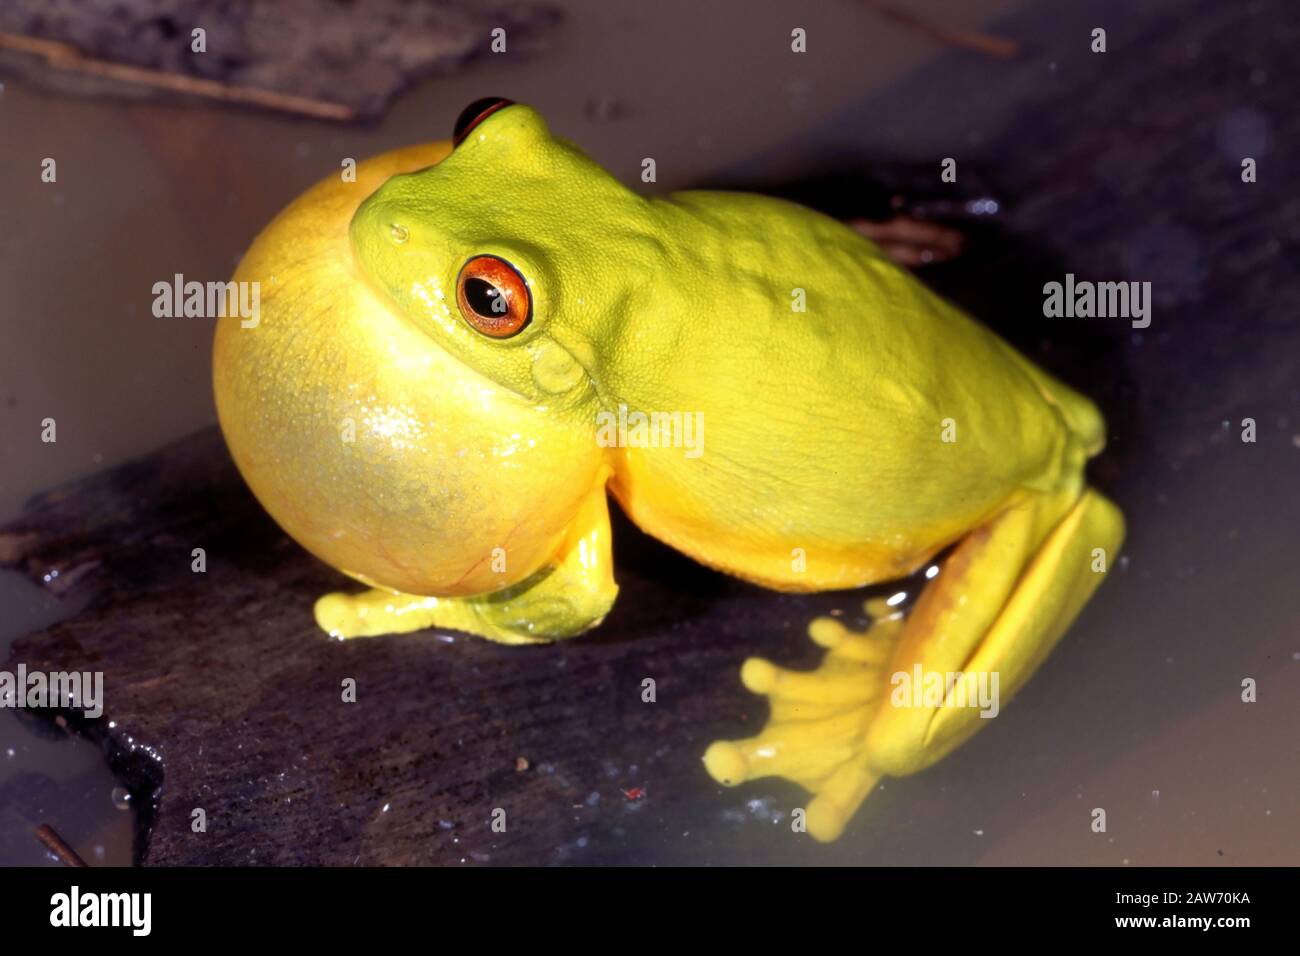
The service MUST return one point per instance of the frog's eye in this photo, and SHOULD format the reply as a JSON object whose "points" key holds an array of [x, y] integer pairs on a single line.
{"points": [[474, 114], [493, 297]]}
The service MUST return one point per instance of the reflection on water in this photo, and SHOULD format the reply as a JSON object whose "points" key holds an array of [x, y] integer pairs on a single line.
{"points": [[46, 774]]}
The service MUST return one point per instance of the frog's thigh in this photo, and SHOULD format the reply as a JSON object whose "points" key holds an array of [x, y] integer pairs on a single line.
{"points": [[1003, 598], [970, 621], [570, 594]]}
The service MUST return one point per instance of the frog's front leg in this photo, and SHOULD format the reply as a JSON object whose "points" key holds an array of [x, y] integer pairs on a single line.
{"points": [[570, 594], [1002, 600]]}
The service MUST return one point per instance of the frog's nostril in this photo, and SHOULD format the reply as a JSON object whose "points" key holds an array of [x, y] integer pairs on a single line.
{"points": [[474, 114]]}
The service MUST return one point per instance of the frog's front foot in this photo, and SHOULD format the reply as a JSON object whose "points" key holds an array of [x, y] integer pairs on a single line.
{"points": [[379, 611], [817, 732], [557, 602], [571, 594]]}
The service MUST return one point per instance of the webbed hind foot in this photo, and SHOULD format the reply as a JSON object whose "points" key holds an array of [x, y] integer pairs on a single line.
{"points": [[817, 731]]}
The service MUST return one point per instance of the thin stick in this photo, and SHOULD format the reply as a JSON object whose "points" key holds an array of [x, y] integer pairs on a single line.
{"points": [[58, 846], [62, 56], [985, 43]]}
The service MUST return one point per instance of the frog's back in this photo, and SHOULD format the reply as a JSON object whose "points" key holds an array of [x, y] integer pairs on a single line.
{"points": [[844, 443]]}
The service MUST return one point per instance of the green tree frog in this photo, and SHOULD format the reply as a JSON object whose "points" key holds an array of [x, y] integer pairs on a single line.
{"points": [[441, 336]]}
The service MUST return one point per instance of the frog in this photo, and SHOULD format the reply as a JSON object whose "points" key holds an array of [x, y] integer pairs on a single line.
{"points": [[446, 337]]}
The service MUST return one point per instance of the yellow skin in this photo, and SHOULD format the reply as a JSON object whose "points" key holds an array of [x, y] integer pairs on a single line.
{"points": [[459, 476]]}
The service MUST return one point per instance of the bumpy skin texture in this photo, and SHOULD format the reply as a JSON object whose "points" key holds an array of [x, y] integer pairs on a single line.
{"points": [[460, 476]]}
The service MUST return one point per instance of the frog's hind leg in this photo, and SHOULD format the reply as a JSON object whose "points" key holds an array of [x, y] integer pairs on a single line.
{"points": [[819, 720], [899, 697]]}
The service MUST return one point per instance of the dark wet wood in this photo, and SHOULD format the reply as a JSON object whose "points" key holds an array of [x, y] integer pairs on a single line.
{"points": [[224, 696]]}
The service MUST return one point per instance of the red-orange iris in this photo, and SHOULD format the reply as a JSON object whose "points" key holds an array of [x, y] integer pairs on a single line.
{"points": [[493, 297]]}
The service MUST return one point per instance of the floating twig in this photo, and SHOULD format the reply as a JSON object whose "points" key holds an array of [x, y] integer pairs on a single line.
{"points": [[984, 43], [63, 56], [58, 846]]}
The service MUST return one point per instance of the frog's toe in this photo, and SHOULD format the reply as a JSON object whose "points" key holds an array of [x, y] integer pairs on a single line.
{"points": [[818, 727], [336, 615], [872, 646], [840, 686], [378, 611], [806, 754], [727, 762], [833, 805]]}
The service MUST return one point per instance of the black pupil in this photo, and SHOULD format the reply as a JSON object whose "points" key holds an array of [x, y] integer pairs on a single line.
{"points": [[485, 298]]}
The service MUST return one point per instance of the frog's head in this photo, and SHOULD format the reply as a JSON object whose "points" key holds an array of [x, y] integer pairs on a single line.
{"points": [[514, 253], [389, 417]]}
